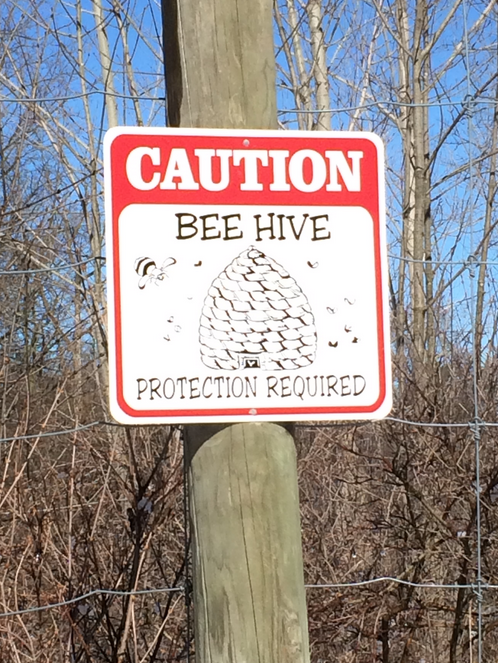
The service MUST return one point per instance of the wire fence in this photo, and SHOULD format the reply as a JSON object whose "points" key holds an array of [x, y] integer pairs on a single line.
{"points": [[166, 590]]}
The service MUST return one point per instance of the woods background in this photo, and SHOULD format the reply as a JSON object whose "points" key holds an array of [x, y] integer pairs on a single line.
{"points": [[92, 515]]}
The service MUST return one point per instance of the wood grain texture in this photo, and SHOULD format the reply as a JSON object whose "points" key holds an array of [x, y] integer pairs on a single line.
{"points": [[249, 599], [249, 591], [220, 64]]}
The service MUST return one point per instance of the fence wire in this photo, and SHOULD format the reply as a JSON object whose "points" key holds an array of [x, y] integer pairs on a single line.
{"points": [[186, 589]]}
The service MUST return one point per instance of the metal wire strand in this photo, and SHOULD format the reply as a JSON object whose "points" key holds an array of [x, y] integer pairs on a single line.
{"points": [[88, 595], [307, 426], [186, 589]]}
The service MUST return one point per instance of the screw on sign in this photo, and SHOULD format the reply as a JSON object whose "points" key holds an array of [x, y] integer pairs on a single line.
{"points": [[247, 276]]}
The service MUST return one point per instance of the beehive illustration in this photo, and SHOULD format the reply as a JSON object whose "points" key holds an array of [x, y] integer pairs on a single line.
{"points": [[255, 315]]}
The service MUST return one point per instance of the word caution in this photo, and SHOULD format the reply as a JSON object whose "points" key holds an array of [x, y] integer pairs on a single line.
{"points": [[306, 170]]}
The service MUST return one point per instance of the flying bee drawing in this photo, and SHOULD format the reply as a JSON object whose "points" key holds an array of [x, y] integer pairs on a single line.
{"points": [[149, 272]]}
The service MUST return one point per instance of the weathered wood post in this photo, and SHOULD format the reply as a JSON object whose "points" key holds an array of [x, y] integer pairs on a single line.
{"points": [[249, 592]]}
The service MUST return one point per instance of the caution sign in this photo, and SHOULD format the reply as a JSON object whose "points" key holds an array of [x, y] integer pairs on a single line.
{"points": [[246, 276]]}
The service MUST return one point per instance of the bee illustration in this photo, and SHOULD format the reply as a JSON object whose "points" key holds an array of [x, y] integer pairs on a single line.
{"points": [[149, 272]]}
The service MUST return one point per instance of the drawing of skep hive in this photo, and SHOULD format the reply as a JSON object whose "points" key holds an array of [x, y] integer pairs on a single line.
{"points": [[256, 316]]}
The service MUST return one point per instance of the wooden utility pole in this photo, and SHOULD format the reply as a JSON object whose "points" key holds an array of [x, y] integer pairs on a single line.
{"points": [[249, 598]]}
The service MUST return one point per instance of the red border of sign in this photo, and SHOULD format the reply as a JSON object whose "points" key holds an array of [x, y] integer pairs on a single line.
{"points": [[119, 194]]}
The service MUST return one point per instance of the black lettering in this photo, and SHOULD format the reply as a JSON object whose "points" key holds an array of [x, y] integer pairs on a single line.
{"points": [[229, 229], [281, 218], [194, 388], [182, 382], [297, 235], [317, 229], [261, 229], [285, 385], [218, 384], [141, 390], [250, 387], [183, 224], [207, 229], [271, 385], [345, 388], [299, 392], [172, 382], [154, 389], [240, 387], [206, 381], [316, 385], [331, 386], [355, 387]]}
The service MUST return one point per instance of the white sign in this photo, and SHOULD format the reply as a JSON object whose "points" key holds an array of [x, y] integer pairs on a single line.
{"points": [[247, 276]]}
